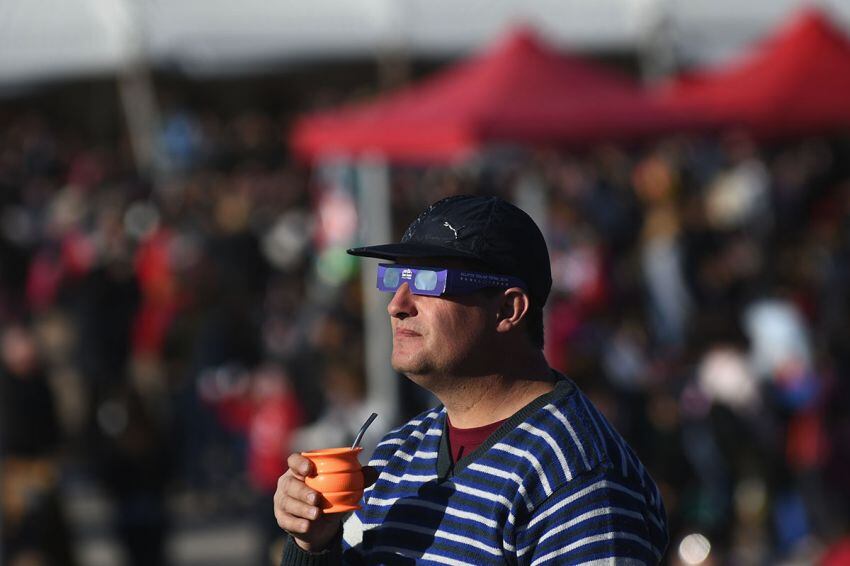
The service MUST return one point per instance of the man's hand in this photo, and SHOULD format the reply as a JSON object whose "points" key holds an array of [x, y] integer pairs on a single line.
{"points": [[296, 506]]}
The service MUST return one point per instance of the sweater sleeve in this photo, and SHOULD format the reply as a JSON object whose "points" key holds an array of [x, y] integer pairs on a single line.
{"points": [[294, 555], [593, 517]]}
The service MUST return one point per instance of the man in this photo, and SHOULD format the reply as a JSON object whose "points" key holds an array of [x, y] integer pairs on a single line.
{"points": [[516, 466]]}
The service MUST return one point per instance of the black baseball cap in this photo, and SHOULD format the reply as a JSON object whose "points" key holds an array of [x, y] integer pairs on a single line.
{"points": [[486, 229]]}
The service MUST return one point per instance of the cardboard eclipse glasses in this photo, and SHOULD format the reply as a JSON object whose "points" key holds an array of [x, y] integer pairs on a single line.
{"points": [[438, 281]]}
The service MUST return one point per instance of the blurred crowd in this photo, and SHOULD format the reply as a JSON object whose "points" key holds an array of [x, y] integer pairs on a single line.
{"points": [[174, 341]]}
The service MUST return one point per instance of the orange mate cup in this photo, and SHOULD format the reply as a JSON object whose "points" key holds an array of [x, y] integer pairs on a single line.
{"points": [[338, 478]]}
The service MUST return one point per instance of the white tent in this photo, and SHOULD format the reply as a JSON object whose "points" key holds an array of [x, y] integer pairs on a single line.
{"points": [[43, 39], [63, 38]]}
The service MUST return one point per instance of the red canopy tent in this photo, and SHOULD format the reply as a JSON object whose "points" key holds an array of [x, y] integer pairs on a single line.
{"points": [[795, 82], [520, 91]]}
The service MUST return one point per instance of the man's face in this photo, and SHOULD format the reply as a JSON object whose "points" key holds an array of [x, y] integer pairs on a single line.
{"points": [[435, 337]]}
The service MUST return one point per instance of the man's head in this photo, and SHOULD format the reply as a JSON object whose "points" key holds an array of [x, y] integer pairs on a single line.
{"points": [[487, 231], [468, 240]]}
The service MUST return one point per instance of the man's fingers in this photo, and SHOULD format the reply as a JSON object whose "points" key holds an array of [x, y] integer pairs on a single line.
{"points": [[289, 485], [297, 511], [297, 508], [299, 465], [294, 505], [298, 490], [293, 525]]}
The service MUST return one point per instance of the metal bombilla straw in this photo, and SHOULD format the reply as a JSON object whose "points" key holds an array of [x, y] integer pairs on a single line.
{"points": [[362, 430]]}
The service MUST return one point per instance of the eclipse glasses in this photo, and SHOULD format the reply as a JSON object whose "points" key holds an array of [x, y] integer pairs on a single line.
{"points": [[438, 281]]}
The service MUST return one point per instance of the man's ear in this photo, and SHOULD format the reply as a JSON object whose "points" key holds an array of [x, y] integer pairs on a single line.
{"points": [[512, 309]]}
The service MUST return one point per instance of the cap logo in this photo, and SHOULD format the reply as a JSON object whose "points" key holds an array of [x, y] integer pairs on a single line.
{"points": [[449, 226], [407, 274]]}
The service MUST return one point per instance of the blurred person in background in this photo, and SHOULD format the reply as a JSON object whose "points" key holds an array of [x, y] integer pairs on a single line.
{"points": [[344, 412], [132, 455], [262, 411], [276, 414], [517, 463], [34, 526], [222, 337]]}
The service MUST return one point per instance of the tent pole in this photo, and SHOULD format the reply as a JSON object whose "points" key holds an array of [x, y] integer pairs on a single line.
{"points": [[393, 57], [137, 94], [530, 195], [142, 117], [657, 47], [373, 204]]}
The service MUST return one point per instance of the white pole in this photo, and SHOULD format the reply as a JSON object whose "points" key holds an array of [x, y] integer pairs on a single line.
{"points": [[657, 42], [373, 204], [141, 113], [530, 196], [135, 85]]}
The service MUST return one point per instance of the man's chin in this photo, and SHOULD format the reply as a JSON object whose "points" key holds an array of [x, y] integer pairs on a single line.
{"points": [[405, 368], [413, 371]]}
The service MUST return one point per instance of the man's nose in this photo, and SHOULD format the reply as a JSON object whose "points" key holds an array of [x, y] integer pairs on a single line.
{"points": [[402, 304]]}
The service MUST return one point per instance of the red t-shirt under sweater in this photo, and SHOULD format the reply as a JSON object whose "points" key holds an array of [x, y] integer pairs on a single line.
{"points": [[462, 441]]}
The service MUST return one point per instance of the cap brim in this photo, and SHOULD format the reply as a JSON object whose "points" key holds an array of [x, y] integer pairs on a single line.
{"points": [[408, 250]]}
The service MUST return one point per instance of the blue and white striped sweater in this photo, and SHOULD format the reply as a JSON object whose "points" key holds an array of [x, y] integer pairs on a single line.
{"points": [[555, 484]]}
